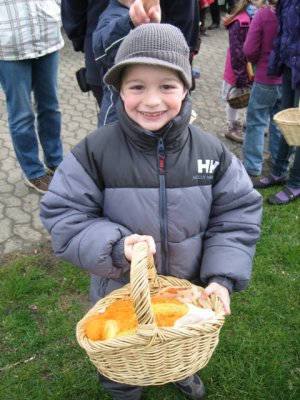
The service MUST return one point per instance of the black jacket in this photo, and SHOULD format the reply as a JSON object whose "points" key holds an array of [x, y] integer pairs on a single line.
{"points": [[79, 19]]}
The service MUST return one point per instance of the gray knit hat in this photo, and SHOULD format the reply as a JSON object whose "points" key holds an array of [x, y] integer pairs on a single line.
{"points": [[152, 44]]}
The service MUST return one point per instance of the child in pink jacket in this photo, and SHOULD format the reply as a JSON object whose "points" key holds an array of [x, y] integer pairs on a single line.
{"points": [[235, 72]]}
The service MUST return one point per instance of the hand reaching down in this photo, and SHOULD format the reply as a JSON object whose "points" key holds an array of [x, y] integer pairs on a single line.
{"points": [[145, 11]]}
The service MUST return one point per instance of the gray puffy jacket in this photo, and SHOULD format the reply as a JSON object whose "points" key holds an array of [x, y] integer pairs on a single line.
{"points": [[180, 185]]}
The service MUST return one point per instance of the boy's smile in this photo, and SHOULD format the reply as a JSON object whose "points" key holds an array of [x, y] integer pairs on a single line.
{"points": [[152, 95]]}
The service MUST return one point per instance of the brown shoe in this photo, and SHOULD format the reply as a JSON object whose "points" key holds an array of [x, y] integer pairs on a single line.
{"points": [[39, 184], [235, 131]]}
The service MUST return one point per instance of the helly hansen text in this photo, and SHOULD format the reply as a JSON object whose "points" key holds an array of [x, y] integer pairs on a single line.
{"points": [[207, 166]]}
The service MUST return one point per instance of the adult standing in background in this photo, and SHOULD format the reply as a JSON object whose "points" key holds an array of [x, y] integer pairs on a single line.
{"points": [[216, 15], [203, 6], [185, 16], [80, 18], [29, 42]]}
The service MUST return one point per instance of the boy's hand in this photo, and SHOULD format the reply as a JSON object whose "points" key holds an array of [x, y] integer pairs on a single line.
{"points": [[145, 11], [132, 239], [221, 292]]}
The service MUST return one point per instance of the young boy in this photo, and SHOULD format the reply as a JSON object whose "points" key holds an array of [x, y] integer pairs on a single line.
{"points": [[119, 18], [150, 176]]}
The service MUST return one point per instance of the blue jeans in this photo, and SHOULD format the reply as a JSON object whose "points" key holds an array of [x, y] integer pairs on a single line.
{"points": [[290, 99], [18, 79], [265, 102]]}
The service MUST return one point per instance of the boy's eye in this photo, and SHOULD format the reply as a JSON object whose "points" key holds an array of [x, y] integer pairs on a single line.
{"points": [[167, 87], [136, 87]]}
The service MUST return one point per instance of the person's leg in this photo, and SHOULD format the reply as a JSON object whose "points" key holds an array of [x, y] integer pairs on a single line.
{"points": [[45, 88], [274, 131], [234, 130], [292, 189], [202, 14], [15, 78], [281, 163], [294, 178], [215, 15], [262, 100], [120, 391], [289, 98]]}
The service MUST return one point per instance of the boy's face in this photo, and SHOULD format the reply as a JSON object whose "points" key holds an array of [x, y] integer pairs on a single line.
{"points": [[152, 95]]}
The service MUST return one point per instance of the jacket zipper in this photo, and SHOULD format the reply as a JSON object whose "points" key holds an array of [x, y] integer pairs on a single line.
{"points": [[163, 207]]}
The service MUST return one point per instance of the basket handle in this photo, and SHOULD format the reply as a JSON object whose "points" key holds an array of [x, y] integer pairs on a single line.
{"points": [[142, 272]]}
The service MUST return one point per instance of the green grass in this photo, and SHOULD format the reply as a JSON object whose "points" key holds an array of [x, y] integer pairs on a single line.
{"points": [[41, 300]]}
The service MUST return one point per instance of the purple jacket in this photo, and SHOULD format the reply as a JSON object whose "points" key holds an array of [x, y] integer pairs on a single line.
{"points": [[259, 43], [286, 49]]}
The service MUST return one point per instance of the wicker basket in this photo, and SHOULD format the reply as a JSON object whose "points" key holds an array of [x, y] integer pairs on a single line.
{"points": [[288, 122], [152, 356], [239, 100]]}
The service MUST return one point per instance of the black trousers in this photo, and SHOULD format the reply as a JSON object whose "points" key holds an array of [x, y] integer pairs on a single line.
{"points": [[215, 10]]}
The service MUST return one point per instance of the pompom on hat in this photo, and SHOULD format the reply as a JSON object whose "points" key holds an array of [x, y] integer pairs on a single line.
{"points": [[160, 45]]}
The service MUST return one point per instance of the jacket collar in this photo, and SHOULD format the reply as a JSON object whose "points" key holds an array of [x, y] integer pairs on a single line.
{"points": [[174, 133]]}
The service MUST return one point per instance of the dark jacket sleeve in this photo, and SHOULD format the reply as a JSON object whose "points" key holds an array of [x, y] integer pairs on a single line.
{"points": [[237, 36], [79, 19], [74, 20], [185, 15], [71, 211], [113, 25], [233, 230]]}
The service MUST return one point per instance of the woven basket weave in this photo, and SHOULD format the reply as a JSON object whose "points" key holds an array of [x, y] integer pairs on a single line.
{"points": [[240, 100], [288, 122], [152, 356]]}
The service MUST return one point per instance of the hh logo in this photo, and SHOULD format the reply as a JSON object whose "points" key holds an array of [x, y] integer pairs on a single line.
{"points": [[207, 166]]}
